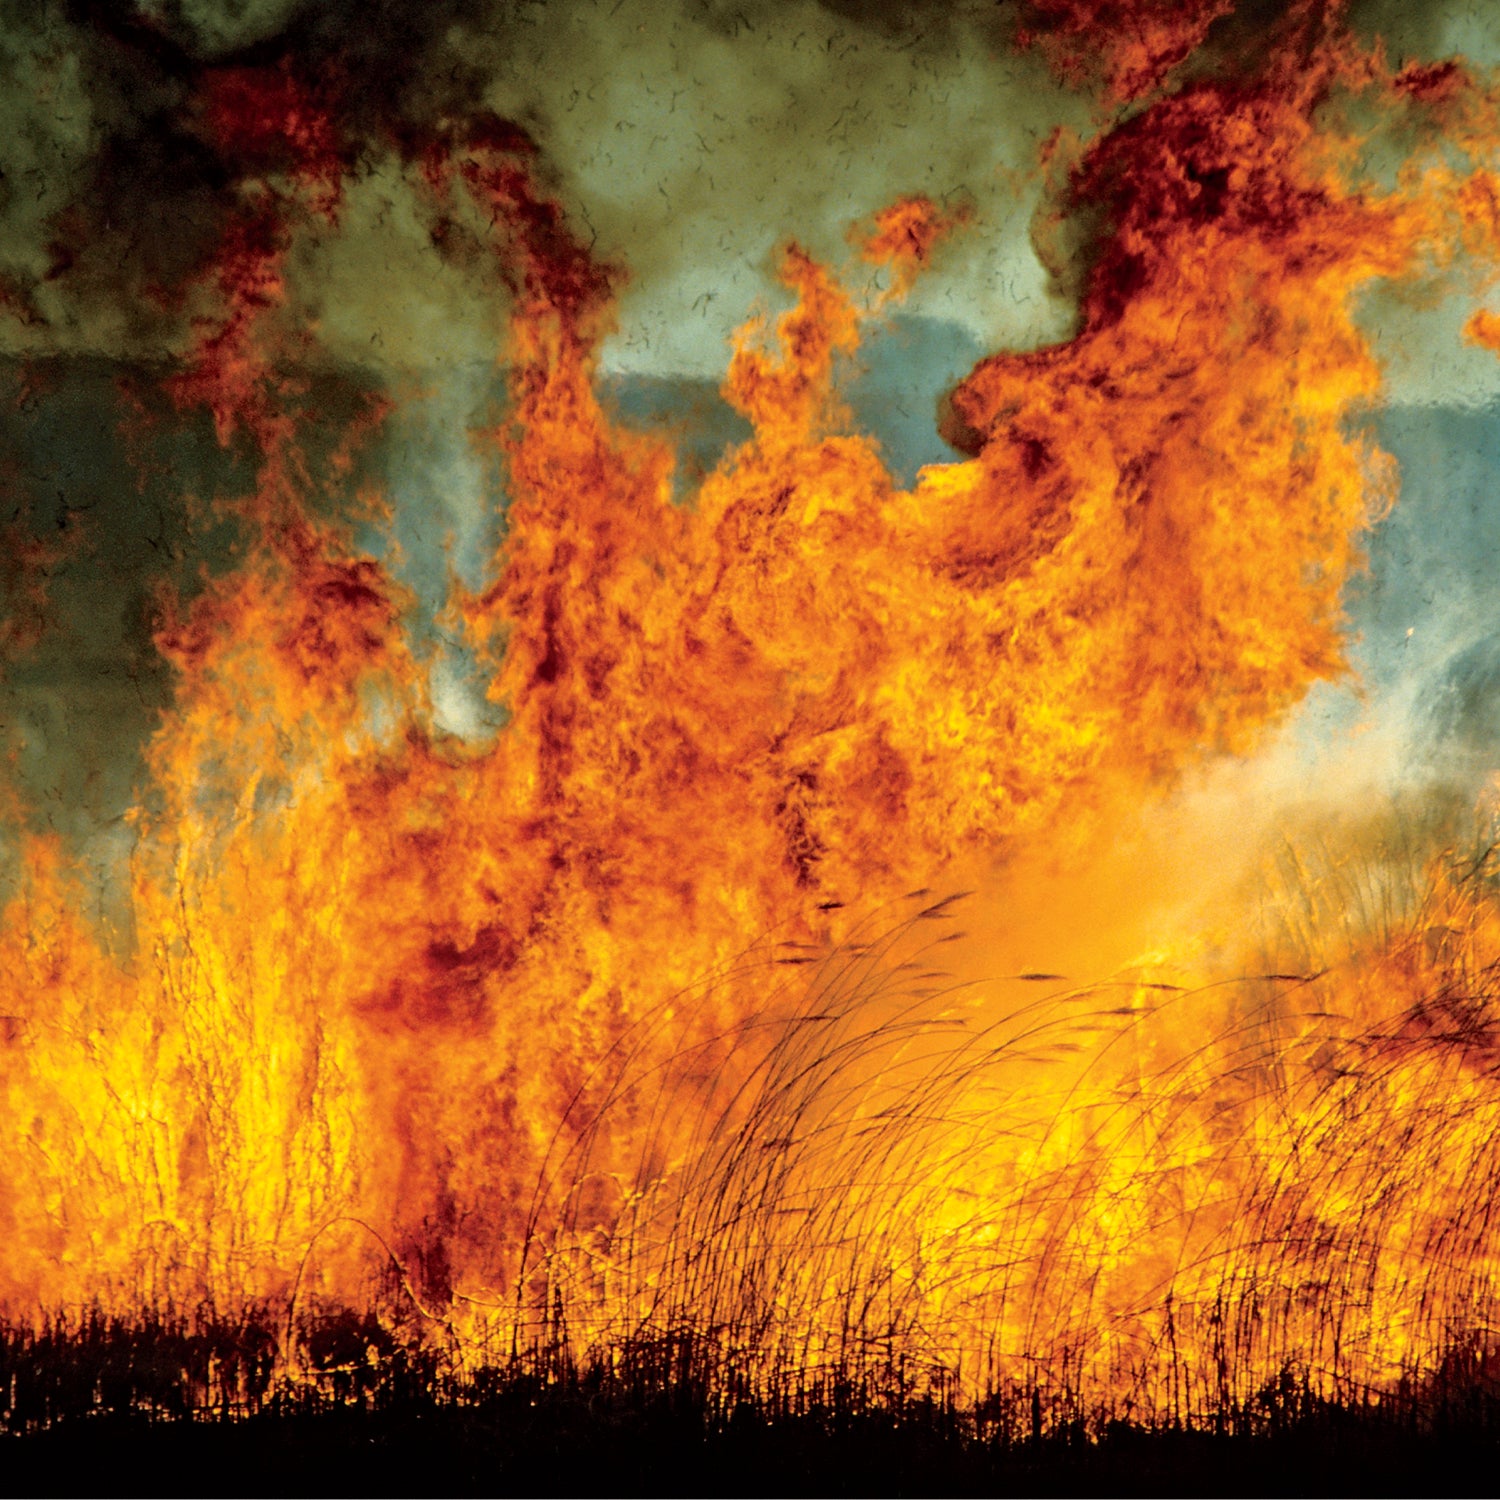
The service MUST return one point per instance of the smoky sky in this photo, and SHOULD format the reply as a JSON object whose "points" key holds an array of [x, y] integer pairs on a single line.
{"points": [[686, 141]]}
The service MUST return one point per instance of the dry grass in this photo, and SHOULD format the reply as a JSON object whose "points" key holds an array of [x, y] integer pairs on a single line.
{"points": [[1247, 1209]]}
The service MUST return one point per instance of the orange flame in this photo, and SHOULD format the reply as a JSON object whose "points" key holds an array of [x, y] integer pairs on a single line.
{"points": [[1130, 44], [496, 1011]]}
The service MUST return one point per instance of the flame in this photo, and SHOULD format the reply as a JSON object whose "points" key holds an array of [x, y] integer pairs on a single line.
{"points": [[531, 1015], [1130, 45]]}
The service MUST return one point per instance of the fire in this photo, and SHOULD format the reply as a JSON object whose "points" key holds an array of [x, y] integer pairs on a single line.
{"points": [[1132, 45], [597, 1019]]}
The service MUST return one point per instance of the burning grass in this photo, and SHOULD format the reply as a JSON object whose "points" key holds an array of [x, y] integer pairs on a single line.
{"points": [[145, 1407], [1275, 1238], [420, 1071]]}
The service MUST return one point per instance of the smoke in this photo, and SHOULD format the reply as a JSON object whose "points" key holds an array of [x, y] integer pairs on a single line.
{"points": [[685, 143], [693, 143]]}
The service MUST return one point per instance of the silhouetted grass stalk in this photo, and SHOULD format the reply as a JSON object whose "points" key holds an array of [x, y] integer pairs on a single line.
{"points": [[1213, 1206]]}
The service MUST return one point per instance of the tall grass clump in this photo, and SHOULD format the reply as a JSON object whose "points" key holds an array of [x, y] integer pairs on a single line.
{"points": [[1028, 1209]]}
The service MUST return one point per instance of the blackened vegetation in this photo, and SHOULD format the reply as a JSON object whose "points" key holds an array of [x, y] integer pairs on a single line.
{"points": [[191, 1404], [705, 1396]]}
